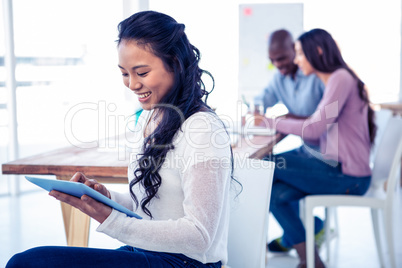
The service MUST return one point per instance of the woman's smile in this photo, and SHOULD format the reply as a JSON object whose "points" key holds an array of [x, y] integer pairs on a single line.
{"points": [[144, 73]]}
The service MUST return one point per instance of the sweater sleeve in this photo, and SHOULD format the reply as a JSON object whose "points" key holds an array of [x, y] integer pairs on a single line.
{"points": [[337, 91], [205, 185], [192, 233]]}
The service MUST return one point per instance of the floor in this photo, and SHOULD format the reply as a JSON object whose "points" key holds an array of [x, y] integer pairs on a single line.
{"points": [[34, 219], [355, 246]]}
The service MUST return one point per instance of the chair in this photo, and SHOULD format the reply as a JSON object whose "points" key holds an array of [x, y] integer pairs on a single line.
{"points": [[330, 224], [247, 241], [386, 163], [331, 216]]}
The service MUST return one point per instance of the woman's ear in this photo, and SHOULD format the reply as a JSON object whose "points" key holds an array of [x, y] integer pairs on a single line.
{"points": [[319, 49]]}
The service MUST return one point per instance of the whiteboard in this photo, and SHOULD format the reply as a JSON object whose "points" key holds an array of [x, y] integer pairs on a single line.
{"points": [[256, 22]]}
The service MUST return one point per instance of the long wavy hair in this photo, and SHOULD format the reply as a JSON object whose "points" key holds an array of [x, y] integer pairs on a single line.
{"points": [[167, 40], [331, 60]]}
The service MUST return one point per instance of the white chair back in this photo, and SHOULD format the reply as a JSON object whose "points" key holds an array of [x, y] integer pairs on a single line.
{"points": [[248, 226], [381, 120], [386, 150]]}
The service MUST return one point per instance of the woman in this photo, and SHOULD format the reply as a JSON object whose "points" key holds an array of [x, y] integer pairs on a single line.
{"points": [[179, 177], [344, 125]]}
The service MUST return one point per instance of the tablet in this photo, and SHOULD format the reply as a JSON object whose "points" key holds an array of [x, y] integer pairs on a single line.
{"points": [[78, 189]]}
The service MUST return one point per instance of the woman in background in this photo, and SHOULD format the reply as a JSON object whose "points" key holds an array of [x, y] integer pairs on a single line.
{"points": [[343, 123], [179, 176]]}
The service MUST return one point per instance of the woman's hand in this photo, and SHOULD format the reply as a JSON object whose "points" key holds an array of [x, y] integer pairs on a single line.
{"points": [[79, 177], [86, 204]]}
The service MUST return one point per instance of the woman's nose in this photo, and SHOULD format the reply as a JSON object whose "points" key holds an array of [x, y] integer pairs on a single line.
{"points": [[134, 85]]}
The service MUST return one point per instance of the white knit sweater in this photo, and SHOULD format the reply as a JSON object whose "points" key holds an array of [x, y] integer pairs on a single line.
{"points": [[191, 212]]}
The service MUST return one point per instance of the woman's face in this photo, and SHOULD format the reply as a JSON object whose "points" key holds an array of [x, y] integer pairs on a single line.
{"points": [[144, 73], [301, 60]]}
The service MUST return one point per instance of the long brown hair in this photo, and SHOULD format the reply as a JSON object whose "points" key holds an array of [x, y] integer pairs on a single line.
{"points": [[331, 60]]}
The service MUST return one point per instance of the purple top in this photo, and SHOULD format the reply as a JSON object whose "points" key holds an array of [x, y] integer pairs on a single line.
{"points": [[340, 123]]}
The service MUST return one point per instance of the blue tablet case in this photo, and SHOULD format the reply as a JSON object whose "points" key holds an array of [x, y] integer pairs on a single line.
{"points": [[78, 189]]}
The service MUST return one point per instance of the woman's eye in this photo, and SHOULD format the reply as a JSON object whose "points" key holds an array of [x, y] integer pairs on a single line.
{"points": [[142, 74], [124, 75]]}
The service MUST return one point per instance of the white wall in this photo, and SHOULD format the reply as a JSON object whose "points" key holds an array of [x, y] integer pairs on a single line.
{"points": [[368, 32]]}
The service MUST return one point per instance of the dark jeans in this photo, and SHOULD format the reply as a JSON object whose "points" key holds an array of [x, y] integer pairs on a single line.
{"points": [[76, 257], [298, 174]]}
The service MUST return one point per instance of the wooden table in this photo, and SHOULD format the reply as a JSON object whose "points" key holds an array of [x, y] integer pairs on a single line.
{"points": [[106, 166]]}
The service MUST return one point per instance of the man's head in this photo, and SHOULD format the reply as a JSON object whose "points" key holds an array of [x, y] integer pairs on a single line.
{"points": [[281, 52]]}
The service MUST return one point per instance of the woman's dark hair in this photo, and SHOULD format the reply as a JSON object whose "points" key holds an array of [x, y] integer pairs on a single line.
{"points": [[329, 61], [166, 39]]}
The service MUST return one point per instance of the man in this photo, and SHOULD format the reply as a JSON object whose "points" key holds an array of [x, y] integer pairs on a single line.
{"points": [[299, 93]]}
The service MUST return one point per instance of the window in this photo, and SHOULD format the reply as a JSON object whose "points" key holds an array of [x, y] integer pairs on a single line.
{"points": [[65, 55], [3, 94]]}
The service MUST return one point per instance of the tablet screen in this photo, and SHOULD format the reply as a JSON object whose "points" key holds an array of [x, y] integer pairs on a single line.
{"points": [[78, 189]]}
